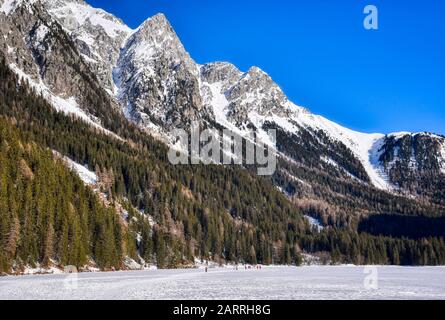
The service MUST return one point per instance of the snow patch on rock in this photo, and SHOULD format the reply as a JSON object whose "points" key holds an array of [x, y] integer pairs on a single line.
{"points": [[67, 106], [41, 33], [99, 35], [219, 104]]}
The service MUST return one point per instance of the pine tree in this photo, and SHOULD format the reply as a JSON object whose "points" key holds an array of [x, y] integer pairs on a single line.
{"points": [[48, 249], [160, 249], [12, 238]]}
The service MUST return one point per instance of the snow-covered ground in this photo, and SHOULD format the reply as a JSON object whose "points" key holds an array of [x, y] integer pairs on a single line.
{"points": [[227, 283]]}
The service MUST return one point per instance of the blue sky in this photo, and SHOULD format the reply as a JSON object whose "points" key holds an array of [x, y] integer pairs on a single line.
{"points": [[318, 51]]}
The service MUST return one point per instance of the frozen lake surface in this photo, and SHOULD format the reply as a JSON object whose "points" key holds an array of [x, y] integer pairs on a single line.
{"points": [[268, 283]]}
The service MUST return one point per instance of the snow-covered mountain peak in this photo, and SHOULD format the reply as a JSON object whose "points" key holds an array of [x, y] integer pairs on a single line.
{"points": [[98, 34], [153, 50], [75, 14], [256, 91], [156, 28], [256, 72], [160, 87], [157, 80], [156, 38], [399, 134], [223, 72], [158, 21]]}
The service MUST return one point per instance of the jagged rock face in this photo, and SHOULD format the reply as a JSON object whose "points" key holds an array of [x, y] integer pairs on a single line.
{"points": [[414, 162], [256, 91], [40, 51], [253, 91], [16, 21], [98, 35], [158, 81], [221, 72]]}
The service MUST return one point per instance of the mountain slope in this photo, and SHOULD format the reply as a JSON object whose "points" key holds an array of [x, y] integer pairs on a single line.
{"points": [[118, 84], [39, 51], [190, 218], [159, 87], [158, 81], [415, 163], [48, 217], [97, 34]]}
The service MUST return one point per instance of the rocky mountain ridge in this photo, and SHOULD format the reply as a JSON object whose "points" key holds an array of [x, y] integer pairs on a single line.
{"points": [[152, 79]]}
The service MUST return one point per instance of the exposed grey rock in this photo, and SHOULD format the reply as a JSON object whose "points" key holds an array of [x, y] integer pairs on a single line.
{"points": [[414, 162], [98, 35], [158, 81], [37, 47], [223, 72]]}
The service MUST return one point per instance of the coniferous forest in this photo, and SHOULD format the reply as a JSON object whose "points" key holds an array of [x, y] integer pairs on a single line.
{"points": [[47, 214], [145, 209]]}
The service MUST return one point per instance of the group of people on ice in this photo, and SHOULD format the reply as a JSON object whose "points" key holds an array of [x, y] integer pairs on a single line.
{"points": [[246, 267]]}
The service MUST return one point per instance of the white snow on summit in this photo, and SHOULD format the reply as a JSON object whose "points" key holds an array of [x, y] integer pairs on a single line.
{"points": [[7, 6], [398, 135], [76, 14], [99, 35]]}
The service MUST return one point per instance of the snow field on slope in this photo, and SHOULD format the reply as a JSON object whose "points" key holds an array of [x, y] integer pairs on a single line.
{"points": [[98, 17]]}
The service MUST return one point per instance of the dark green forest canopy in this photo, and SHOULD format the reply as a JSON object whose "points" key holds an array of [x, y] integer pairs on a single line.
{"points": [[47, 214]]}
